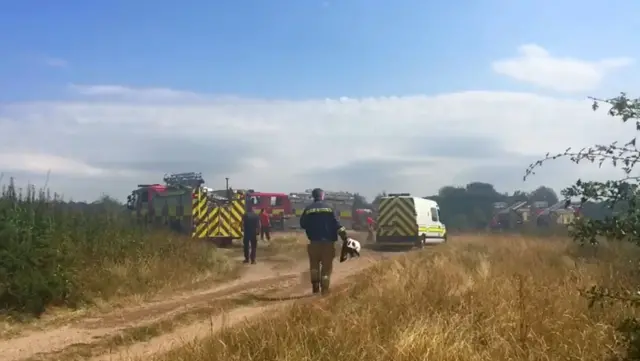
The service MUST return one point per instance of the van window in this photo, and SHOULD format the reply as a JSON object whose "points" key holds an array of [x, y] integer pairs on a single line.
{"points": [[435, 216]]}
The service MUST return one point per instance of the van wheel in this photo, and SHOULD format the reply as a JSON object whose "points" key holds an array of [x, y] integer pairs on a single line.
{"points": [[421, 241]]}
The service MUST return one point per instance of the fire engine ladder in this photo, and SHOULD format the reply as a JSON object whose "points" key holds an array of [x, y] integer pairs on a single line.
{"points": [[190, 179], [553, 208], [513, 207]]}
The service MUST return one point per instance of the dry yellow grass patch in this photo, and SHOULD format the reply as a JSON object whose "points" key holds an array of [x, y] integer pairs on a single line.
{"points": [[286, 245], [294, 243], [283, 247], [476, 298]]}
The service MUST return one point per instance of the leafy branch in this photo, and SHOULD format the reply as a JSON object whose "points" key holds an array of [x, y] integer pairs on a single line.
{"points": [[622, 195]]}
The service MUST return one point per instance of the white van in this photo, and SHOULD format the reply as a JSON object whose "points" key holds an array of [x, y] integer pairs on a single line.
{"points": [[404, 220]]}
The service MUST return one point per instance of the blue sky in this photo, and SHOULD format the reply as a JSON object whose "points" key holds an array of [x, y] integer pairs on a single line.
{"points": [[293, 49], [481, 89]]}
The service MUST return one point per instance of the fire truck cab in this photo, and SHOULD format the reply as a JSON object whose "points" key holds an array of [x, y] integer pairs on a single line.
{"points": [[186, 206], [142, 198], [151, 201], [277, 205]]}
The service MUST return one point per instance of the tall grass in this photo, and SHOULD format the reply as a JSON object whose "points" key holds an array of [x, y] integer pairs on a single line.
{"points": [[476, 298], [57, 253]]}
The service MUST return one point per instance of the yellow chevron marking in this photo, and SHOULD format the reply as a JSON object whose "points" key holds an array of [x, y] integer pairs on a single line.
{"points": [[235, 221], [397, 217]]}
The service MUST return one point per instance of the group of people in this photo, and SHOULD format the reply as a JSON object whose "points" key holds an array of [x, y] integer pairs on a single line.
{"points": [[322, 229]]}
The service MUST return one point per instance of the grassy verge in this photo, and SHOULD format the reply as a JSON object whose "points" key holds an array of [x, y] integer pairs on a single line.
{"points": [[56, 254], [476, 298]]}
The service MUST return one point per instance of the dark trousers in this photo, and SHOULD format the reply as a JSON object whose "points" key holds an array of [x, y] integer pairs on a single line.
{"points": [[321, 255], [265, 231], [250, 243]]}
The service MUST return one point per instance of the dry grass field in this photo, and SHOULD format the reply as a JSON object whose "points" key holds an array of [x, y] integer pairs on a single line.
{"points": [[475, 298]]}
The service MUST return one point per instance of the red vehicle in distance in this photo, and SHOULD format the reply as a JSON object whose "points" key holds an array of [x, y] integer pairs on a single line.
{"points": [[359, 219], [277, 205]]}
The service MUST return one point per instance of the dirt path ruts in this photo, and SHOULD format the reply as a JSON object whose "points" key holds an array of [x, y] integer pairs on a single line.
{"points": [[266, 281], [204, 328], [259, 277]]}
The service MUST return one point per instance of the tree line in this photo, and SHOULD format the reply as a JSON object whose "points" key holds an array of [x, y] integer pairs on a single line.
{"points": [[472, 207]]}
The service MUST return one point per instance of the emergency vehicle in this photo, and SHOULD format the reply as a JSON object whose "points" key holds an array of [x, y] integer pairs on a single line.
{"points": [[341, 202], [359, 219], [277, 205], [186, 206], [404, 220]]}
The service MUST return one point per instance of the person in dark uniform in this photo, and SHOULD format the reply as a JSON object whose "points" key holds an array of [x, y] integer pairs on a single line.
{"points": [[251, 228], [322, 228]]}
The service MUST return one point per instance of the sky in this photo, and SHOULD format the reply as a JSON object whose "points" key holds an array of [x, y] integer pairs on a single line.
{"points": [[281, 96]]}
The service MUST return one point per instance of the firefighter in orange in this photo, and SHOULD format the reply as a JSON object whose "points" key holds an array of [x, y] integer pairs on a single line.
{"points": [[322, 228]]}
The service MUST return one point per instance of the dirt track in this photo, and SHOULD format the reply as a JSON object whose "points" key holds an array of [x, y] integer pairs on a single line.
{"points": [[262, 287]]}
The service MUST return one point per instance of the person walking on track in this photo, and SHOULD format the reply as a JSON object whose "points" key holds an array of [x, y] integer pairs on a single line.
{"points": [[250, 227], [265, 225], [370, 229], [322, 228]]}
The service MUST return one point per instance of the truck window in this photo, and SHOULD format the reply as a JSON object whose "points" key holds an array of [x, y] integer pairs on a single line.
{"points": [[144, 196], [254, 201], [276, 201], [435, 216]]}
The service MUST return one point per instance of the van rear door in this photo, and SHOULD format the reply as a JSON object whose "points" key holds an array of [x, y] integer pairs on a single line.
{"points": [[397, 222]]}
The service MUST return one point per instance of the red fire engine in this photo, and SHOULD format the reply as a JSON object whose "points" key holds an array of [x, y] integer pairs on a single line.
{"points": [[277, 205], [148, 198], [359, 221]]}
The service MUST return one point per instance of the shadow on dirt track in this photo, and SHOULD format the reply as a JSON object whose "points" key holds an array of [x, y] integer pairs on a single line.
{"points": [[372, 247], [264, 298]]}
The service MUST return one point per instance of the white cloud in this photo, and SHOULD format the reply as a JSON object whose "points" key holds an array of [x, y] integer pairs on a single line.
{"points": [[536, 66], [42, 163], [56, 62], [415, 144], [119, 91]]}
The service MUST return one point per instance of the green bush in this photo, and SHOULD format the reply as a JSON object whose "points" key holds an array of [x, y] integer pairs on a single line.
{"points": [[56, 253]]}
